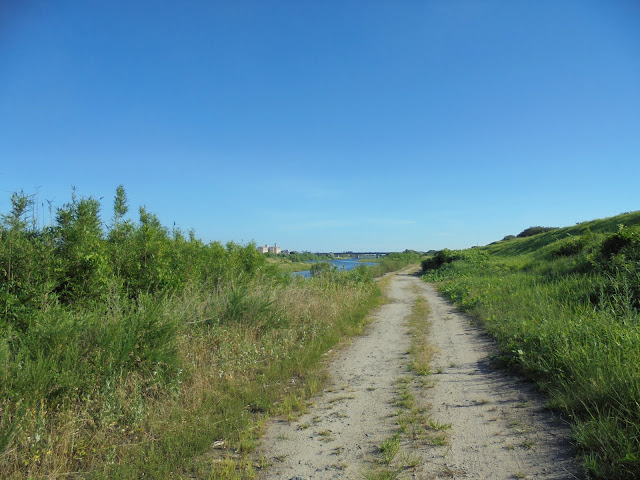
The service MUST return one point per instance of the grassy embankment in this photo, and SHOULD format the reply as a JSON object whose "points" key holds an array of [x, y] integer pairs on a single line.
{"points": [[287, 266], [564, 308], [133, 352]]}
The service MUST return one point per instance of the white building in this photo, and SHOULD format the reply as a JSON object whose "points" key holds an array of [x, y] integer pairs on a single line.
{"points": [[275, 249], [267, 249]]}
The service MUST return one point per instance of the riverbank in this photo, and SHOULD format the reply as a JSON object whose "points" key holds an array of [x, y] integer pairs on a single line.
{"points": [[287, 266], [375, 267]]}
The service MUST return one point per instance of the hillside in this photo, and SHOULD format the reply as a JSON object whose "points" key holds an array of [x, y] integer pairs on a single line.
{"points": [[563, 306], [519, 246]]}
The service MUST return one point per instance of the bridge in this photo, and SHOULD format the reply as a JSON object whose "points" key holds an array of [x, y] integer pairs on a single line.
{"points": [[355, 254]]}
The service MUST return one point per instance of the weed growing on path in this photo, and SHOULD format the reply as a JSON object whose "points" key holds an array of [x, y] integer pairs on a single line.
{"points": [[389, 448], [413, 421], [421, 350], [381, 473]]}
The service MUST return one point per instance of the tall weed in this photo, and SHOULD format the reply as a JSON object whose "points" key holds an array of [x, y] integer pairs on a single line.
{"points": [[124, 353]]}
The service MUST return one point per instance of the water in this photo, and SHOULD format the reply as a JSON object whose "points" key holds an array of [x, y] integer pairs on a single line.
{"points": [[342, 264]]}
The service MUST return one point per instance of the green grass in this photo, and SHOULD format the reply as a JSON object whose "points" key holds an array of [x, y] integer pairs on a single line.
{"points": [[262, 376], [389, 449], [139, 352], [563, 306], [421, 350], [287, 266], [381, 473], [231, 377]]}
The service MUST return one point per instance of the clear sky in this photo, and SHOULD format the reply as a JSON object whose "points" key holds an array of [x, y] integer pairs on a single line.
{"points": [[326, 125]]}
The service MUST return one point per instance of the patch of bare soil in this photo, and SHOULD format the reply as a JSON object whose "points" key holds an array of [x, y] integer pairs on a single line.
{"points": [[499, 428]]}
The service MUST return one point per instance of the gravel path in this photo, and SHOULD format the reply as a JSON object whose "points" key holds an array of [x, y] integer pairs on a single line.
{"points": [[499, 428]]}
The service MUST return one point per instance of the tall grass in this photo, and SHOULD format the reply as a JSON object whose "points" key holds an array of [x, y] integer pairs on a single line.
{"points": [[128, 353], [565, 312], [240, 371], [393, 262]]}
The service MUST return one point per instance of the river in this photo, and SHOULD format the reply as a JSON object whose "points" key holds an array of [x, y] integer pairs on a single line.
{"points": [[341, 264]]}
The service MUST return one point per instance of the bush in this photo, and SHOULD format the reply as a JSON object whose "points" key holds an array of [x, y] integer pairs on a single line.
{"points": [[65, 356], [568, 246], [624, 242], [322, 268], [618, 261], [531, 231], [440, 258]]}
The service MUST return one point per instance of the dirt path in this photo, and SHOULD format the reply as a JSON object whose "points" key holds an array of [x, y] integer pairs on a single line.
{"points": [[498, 426]]}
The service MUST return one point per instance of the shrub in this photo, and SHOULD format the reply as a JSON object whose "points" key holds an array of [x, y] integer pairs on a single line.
{"points": [[531, 231], [27, 266], [440, 258], [85, 271], [618, 260], [567, 247], [624, 242], [322, 268]]}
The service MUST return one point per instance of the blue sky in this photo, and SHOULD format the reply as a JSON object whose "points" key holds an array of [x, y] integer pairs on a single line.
{"points": [[326, 125]]}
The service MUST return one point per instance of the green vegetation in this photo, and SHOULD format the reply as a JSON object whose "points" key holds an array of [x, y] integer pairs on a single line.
{"points": [[563, 305], [390, 448], [390, 263], [285, 265], [307, 256], [393, 262], [421, 350], [531, 231], [137, 351], [370, 268]]}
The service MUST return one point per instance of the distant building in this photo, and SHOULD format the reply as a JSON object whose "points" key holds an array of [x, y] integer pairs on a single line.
{"points": [[267, 249], [275, 249]]}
